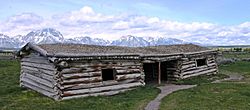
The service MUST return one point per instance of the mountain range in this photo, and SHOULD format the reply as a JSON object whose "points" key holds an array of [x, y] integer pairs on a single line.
{"points": [[50, 36]]}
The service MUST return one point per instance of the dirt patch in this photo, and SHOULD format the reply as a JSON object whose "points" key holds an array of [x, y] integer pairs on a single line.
{"points": [[232, 77]]}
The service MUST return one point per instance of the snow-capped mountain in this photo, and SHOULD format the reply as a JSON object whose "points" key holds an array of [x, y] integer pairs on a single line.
{"points": [[166, 41], [50, 36], [44, 36], [134, 41], [7, 42], [130, 41]]}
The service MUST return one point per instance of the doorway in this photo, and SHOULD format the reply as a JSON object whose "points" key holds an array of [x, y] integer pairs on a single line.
{"points": [[151, 71]]}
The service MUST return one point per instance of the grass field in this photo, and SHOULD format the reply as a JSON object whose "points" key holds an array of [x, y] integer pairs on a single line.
{"points": [[221, 96], [206, 96], [12, 97], [239, 55]]}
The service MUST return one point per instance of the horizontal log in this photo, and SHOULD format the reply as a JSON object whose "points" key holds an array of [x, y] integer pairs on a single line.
{"points": [[148, 61], [126, 67], [130, 64], [188, 62], [40, 90], [200, 67], [128, 76], [25, 81], [200, 73], [128, 71], [103, 63], [97, 84], [40, 75], [37, 65], [101, 89], [184, 59], [71, 70], [38, 80], [40, 60], [210, 58], [211, 61], [38, 70], [81, 80], [81, 70], [81, 75], [198, 70], [97, 94], [188, 66], [212, 64]]}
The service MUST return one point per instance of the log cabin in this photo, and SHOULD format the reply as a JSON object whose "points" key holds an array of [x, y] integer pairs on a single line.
{"points": [[65, 71]]}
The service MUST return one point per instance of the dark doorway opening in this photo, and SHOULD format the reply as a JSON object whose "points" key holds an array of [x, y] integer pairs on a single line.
{"points": [[151, 72], [108, 74], [167, 69]]}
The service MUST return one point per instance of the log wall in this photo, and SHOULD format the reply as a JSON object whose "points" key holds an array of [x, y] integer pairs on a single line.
{"points": [[71, 79], [38, 74], [67, 78], [189, 67], [84, 77]]}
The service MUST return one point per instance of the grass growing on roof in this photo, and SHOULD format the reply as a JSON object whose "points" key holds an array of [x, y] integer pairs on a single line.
{"points": [[12, 97]]}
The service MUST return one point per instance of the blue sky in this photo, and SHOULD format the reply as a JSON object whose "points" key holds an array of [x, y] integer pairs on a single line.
{"points": [[199, 20], [217, 11]]}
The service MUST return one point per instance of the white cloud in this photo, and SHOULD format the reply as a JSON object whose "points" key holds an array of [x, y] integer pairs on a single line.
{"points": [[87, 22]]}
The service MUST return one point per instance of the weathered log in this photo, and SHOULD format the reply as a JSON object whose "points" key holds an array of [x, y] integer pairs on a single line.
{"points": [[40, 75], [38, 80], [210, 58], [98, 84], [26, 80], [130, 64], [41, 60], [128, 76], [71, 70], [199, 73], [81, 80], [38, 70], [103, 63], [101, 89], [188, 66], [212, 64], [81, 75], [197, 70], [35, 65], [40, 90], [184, 59], [126, 67], [97, 94], [188, 62], [128, 71], [38, 49], [148, 61], [211, 61]]}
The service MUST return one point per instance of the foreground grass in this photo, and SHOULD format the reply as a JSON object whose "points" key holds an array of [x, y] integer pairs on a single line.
{"points": [[12, 97], [220, 96]]}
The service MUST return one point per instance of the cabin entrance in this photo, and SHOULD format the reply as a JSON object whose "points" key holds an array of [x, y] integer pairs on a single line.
{"points": [[159, 71]]}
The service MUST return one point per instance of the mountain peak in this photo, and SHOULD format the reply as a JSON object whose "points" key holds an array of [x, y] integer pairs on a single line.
{"points": [[44, 36]]}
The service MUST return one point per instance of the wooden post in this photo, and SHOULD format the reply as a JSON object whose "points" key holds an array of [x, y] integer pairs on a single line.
{"points": [[159, 73]]}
